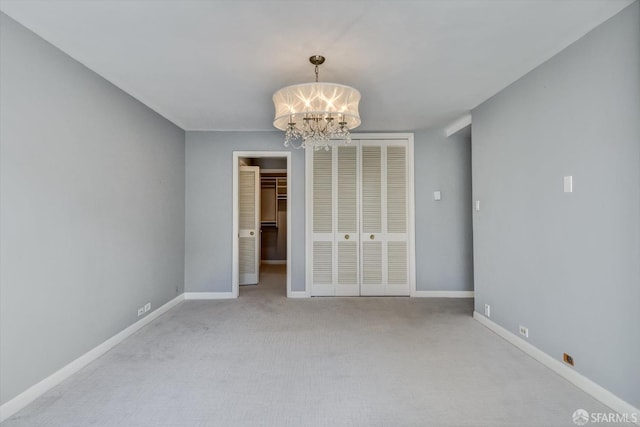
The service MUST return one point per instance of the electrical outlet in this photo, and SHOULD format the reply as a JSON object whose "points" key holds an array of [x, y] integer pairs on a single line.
{"points": [[524, 331], [147, 307], [487, 310], [140, 311], [567, 359]]}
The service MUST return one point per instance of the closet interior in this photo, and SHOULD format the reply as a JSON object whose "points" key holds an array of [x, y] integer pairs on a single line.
{"points": [[273, 216], [271, 199]]}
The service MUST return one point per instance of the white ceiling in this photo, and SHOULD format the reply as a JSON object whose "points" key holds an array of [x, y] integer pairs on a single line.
{"points": [[215, 64]]}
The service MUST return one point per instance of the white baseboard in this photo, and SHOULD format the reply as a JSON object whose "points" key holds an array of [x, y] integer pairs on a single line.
{"points": [[298, 294], [443, 294], [585, 384], [273, 261], [208, 295], [29, 395]]}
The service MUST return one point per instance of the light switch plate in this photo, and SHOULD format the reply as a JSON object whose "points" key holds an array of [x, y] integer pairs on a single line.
{"points": [[568, 184], [477, 205], [436, 195]]}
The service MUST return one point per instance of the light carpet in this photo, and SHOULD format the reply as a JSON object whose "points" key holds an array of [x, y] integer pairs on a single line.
{"points": [[265, 360]]}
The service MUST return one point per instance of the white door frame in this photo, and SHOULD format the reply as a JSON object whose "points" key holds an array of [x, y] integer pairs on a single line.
{"points": [[235, 264]]}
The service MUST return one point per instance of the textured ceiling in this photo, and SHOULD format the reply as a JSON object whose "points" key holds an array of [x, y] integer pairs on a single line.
{"points": [[215, 64]]}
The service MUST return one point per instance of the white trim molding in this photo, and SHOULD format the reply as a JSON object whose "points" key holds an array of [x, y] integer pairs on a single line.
{"points": [[585, 384], [444, 294], [299, 294], [208, 295], [32, 393], [458, 125]]}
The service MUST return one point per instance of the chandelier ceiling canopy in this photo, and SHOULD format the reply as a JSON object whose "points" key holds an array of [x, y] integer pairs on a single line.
{"points": [[313, 115]]}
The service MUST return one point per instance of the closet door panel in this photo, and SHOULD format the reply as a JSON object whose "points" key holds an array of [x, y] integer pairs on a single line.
{"points": [[246, 248], [372, 263], [397, 271], [347, 190], [372, 247], [323, 262], [322, 192], [397, 248], [347, 283], [384, 199], [397, 261], [322, 274], [249, 225], [323, 269], [396, 189], [373, 269], [371, 189], [347, 214]]}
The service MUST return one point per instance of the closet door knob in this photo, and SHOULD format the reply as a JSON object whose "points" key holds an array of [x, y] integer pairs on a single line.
{"points": [[372, 237], [346, 237]]}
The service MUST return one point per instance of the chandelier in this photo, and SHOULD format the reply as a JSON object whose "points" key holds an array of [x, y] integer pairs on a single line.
{"points": [[314, 115]]}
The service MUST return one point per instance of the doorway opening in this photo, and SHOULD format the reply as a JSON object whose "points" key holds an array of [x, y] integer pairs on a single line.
{"points": [[261, 223]]}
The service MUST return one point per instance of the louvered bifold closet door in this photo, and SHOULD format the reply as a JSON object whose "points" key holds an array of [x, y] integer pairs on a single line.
{"points": [[347, 215], [397, 220], [371, 236], [248, 221], [359, 226], [322, 274]]}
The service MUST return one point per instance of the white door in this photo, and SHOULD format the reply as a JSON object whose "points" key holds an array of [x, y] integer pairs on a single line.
{"points": [[347, 215], [334, 249], [396, 224], [249, 224], [322, 235], [371, 234], [360, 222], [384, 251]]}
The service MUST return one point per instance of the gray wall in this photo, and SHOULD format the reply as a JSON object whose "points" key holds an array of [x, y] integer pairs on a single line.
{"points": [[92, 209], [566, 265], [209, 210], [443, 229], [444, 245]]}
